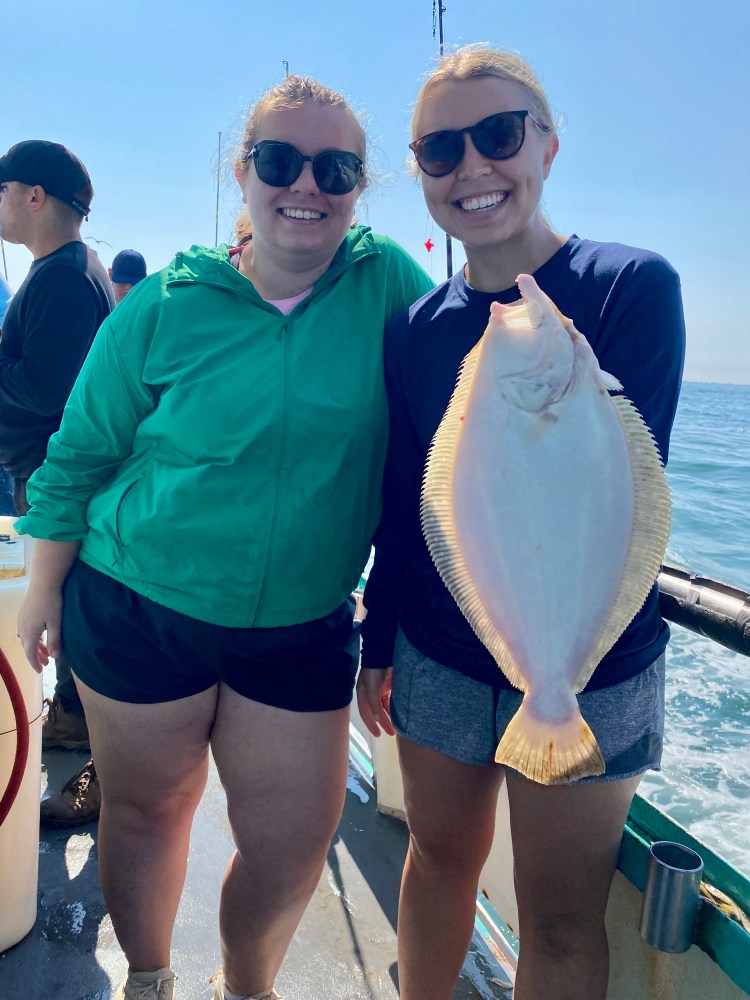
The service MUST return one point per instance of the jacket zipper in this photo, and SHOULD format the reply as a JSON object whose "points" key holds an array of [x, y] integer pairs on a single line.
{"points": [[279, 467]]}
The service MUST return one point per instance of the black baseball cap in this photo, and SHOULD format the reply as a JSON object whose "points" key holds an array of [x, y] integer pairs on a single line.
{"points": [[52, 167]]}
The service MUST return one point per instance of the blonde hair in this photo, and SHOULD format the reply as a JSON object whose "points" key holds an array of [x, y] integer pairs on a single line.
{"points": [[243, 229], [473, 61], [294, 92]]}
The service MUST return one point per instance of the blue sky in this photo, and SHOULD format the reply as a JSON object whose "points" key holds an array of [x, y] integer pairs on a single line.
{"points": [[654, 152]]}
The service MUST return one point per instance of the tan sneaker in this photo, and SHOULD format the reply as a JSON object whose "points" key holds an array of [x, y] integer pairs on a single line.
{"points": [[160, 987], [218, 981], [78, 802], [63, 730]]}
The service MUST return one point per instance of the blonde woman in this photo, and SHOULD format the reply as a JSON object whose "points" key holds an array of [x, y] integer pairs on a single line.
{"points": [[484, 142], [202, 517]]}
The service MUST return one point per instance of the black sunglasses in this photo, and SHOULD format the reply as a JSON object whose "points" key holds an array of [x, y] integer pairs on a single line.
{"points": [[498, 138], [280, 164]]}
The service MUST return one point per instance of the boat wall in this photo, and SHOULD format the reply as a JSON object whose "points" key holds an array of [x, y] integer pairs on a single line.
{"points": [[637, 970], [19, 833], [19, 842], [716, 967]]}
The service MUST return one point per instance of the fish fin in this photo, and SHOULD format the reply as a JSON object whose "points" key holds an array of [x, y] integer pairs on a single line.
{"points": [[652, 518], [610, 382], [438, 525], [550, 753]]}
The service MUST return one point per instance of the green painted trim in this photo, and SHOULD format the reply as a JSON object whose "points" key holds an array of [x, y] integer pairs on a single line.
{"points": [[723, 940], [726, 942], [508, 936]]}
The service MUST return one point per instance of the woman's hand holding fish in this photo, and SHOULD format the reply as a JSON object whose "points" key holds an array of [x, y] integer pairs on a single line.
{"points": [[374, 700]]}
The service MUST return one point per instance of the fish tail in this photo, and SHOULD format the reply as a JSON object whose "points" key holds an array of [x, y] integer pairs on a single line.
{"points": [[550, 753]]}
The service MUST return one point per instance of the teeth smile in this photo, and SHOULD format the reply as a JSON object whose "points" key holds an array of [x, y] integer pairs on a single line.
{"points": [[300, 213], [483, 201]]}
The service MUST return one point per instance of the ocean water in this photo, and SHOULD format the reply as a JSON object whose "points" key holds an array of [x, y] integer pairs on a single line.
{"points": [[705, 779]]}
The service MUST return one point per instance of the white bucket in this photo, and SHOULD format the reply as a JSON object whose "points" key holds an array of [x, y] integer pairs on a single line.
{"points": [[19, 834]]}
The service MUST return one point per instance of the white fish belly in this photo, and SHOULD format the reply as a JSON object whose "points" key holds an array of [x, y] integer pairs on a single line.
{"points": [[543, 515]]}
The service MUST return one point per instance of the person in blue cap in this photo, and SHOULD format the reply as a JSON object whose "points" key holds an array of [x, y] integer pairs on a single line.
{"points": [[128, 268]]}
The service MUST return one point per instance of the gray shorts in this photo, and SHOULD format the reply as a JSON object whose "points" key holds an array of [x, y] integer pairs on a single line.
{"points": [[437, 707]]}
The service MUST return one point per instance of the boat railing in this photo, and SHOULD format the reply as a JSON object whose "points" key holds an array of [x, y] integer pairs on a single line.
{"points": [[709, 607]]}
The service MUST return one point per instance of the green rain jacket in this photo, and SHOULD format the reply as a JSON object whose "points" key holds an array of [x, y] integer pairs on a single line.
{"points": [[221, 458]]}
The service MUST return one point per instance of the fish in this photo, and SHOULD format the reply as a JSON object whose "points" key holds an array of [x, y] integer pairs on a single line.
{"points": [[726, 904], [546, 511]]}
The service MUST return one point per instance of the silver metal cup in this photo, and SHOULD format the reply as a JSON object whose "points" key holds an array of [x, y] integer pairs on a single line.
{"points": [[671, 897]]}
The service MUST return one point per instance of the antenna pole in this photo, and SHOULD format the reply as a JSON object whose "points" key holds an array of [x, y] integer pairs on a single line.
{"points": [[441, 11], [437, 7], [218, 180]]}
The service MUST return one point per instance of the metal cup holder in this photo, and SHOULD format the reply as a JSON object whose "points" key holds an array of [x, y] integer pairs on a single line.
{"points": [[671, 897]]}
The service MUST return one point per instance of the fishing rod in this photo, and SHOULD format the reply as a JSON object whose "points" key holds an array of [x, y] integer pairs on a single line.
{"points": [[218, 185], [5, 263], [437, 23]]}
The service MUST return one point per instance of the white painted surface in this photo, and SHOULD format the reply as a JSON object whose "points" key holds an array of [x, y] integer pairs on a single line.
{"points": [[19, 834]]}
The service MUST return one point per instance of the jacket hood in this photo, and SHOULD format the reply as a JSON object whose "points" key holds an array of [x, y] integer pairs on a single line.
{"points": [[211, 265]]}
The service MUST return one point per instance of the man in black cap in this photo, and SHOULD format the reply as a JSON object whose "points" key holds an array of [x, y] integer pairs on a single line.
{"points": [[128, 268], [45, 194], [7, 507]]}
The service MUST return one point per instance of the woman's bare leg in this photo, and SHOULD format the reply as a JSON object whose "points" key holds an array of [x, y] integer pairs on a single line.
{"points": [[566, 840], [152, 763], [450, 808], [285, 777]]}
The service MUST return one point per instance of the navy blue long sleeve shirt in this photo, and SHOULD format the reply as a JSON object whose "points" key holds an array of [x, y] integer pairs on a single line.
{"points": [[627, 303], [46, 334]]}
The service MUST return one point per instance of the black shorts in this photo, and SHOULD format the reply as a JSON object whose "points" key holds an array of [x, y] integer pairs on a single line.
{"points": [[131, 649]]}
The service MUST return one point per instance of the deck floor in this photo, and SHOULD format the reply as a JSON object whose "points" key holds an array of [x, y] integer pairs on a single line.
{"points": [[345, 947]]}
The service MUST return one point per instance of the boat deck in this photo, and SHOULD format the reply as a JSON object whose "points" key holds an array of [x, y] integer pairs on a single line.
{"points": [[345, 947]]}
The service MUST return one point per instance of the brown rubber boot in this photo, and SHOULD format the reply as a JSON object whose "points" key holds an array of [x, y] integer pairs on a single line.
{"points": [[64, 730], [78, 802]]}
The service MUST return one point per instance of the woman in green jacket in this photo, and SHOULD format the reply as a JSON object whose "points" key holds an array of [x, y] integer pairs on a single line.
{"points": [[202, 517]]}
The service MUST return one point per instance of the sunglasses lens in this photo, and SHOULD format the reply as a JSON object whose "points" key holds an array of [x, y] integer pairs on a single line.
{"points": [[439, 153], [280, 164], [500, 136], [277, 163], [337, 172]]}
